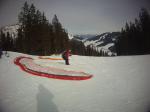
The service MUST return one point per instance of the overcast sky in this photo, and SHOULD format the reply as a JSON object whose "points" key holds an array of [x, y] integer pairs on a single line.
{"points": [[79, 16]]}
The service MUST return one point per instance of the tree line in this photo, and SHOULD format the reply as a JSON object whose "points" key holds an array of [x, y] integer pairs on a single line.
{"points": [[36, 35], [135, 37], [6, 41]]}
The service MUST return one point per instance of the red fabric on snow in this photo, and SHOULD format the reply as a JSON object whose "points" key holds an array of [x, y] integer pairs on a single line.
{"points": [[55, 76]]}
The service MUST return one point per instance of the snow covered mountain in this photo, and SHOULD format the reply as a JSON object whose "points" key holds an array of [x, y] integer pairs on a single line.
{"points": [[70, 36], [119, 84], [11, 29], [104, 42], [84, 36]]}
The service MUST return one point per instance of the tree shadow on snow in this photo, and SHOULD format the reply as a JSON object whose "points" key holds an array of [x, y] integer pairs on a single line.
{"points": [[45, 100]]}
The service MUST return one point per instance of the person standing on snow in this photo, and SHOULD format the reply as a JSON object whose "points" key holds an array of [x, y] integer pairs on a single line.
{"points": [[65, 56]]}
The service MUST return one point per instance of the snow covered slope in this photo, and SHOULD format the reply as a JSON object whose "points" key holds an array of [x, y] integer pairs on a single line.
{"points": [[70, 36], [104, 42], [120, 84]]}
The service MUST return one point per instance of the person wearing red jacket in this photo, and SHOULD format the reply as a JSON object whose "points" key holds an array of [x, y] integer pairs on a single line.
{"points": [[65, 56]]}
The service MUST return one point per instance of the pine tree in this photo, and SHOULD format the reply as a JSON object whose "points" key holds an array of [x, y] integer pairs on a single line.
{"points": [[60, 40], [144, 18], [3, 40], [134, 38], [23, 31], [8, 42], [37, 36], [57, 28]]}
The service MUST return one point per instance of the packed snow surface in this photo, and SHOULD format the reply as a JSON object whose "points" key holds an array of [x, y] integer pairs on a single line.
{"points": [[120, 84]]}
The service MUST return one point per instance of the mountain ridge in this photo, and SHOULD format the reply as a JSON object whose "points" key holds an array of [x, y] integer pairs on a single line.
{"points": [[105, 41]]}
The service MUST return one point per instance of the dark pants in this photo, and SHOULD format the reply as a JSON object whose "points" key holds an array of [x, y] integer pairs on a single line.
{"points": [[67, 61]]}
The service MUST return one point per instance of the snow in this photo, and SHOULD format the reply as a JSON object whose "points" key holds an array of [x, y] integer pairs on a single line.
{"points": [[98, 42], [120, 84], [11, 29], [103, 48], [92, 42], [102, 42], [30, 64], [70, 36]]}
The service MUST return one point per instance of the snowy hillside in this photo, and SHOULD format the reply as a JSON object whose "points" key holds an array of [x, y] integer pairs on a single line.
{"points": [[104, 42], [84, 36], [70, 36], [11, 29], [119, 84]]}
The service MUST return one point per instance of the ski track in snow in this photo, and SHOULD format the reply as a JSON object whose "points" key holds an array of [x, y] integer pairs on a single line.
{"points": [[120, 84]]}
